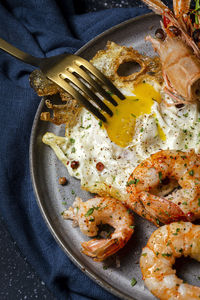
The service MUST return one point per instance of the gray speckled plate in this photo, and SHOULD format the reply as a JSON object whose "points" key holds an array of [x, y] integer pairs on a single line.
{"points": [[46, 170]]}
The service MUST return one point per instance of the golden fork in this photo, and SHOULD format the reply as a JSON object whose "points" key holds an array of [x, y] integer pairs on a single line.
{"points": [[75, 75]]}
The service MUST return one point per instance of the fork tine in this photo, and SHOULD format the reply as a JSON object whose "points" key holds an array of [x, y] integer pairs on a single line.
{"points": [[101, 77], [87, 91], [93, 83], [76, 95]]}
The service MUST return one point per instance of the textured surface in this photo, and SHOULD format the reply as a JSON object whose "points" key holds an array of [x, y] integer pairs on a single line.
{"points": [[18, 280]]}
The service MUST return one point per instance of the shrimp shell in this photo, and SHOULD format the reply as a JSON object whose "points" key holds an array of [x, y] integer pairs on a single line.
{"points": [[165, 245], [183, 168], [180, 66]]}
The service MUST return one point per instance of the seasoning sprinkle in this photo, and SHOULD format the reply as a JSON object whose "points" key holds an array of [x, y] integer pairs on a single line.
{"points": [[133, 281]]}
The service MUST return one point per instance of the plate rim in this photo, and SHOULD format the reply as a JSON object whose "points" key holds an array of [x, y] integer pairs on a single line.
{"points": [[97, 279]]}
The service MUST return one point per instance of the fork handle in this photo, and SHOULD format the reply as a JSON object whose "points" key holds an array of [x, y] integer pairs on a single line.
{"points": [[25, 57]]}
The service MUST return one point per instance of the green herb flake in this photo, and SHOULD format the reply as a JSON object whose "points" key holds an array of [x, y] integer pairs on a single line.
{"points": [[184, 203], [134, 116], [133, 281], [144, 254], [185, 115], [196, 12], [198, 201], [73, 150], [157, 269], [105, 267], [166, 254], [177, 230], [100, 123], [89, 212], [191, 173], [168, 243], [135, 181], [72, 141], [142, 129], [73, 193], [157, 221], [157, 253], [160, 176], [132, 226]]}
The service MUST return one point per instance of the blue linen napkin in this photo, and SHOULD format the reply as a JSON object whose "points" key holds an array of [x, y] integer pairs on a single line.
{"points": [[41, 28]]}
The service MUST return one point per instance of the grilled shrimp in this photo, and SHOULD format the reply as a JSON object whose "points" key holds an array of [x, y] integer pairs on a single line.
{"points": [[154, 187], [165, 245], [98, 211], [178, 49]]}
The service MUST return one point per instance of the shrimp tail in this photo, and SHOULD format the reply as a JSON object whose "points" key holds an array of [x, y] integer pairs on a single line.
{"points": [[101, 249], [161, 209]]}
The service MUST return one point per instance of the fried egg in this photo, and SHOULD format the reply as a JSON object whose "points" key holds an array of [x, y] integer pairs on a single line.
{"points": [[103, 155]]}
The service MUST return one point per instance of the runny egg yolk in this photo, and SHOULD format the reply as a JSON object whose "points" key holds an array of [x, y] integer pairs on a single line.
{"points": [[121, 126]]}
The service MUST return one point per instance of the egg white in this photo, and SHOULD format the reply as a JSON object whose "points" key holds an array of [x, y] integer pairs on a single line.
{"points": [[88, 143]]}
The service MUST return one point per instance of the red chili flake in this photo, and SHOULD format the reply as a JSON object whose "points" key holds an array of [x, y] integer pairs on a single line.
{"points": [[67, 162], [166, 21], [74, 164], [190, 216], [100, 166]]}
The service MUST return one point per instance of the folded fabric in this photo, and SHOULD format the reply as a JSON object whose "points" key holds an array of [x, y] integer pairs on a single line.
{"points": [[42, 28]]}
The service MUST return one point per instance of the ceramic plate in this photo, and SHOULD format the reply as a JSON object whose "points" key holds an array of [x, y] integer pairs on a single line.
{"points": [[46, 170]]}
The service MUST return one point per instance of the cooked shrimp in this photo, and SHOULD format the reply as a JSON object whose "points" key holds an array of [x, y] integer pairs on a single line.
{"points": [[179, 51], [98, 211], [145, 187], [165, 245], [181, 68]]}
